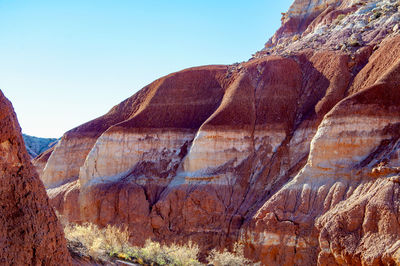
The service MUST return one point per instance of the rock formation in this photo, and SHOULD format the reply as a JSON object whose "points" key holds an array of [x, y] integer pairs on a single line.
{"points": [[294, 153], [29, 231]]}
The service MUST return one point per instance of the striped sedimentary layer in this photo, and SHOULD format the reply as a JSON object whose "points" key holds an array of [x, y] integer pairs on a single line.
{"points": [[341, 207], [148, 153], [216, 152], [70, 154], [63, 165], [333, 209], [200, 150], [278, 152]]}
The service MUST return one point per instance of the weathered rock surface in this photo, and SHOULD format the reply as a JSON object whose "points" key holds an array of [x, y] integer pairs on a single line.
{"points": [[295, 153], [29, 231]]}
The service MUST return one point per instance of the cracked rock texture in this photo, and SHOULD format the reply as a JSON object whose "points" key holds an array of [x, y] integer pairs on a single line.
{"points": [[294, 153], [30, 233]]}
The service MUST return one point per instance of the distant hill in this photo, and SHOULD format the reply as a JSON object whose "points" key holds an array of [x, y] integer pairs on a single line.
{"points": [[36, 146]]}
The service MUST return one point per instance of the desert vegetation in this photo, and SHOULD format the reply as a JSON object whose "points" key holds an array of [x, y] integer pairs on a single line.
{"points": [[112, 243]]}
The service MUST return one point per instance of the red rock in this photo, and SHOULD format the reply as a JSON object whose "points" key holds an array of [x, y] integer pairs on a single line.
{"points": [[29, 231]]}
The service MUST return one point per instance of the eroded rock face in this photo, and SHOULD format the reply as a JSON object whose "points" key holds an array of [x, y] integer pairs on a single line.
{"points": [[29, 231], [295, 153]]}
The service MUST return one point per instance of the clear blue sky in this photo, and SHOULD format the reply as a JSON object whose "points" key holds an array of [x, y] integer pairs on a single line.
{"points": [[63, 63]]}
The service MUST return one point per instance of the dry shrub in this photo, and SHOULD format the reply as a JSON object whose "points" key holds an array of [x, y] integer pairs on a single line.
{"points": [[167, 255], [227, 258], [114, 242], [184, 255], [98, 241]]}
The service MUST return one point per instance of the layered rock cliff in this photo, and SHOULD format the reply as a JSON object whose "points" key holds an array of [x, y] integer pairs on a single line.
{"points": [[29, 231], [294, 153]]}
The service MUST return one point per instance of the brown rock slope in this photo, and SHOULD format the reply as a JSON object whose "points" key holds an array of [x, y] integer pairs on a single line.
{"points": [[29, 231], [294, 153]]}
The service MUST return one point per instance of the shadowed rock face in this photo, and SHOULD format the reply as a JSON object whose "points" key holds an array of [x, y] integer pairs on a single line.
{"points": [[29, 231], [294, 153]]}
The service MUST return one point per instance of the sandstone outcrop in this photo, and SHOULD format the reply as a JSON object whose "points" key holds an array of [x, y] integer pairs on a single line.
{"points": [[29, 231], [294, 153]]}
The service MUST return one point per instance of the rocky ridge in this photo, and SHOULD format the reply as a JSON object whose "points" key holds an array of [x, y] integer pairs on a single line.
{"points": [[295, 153], [29, 231], [344, 25]]}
